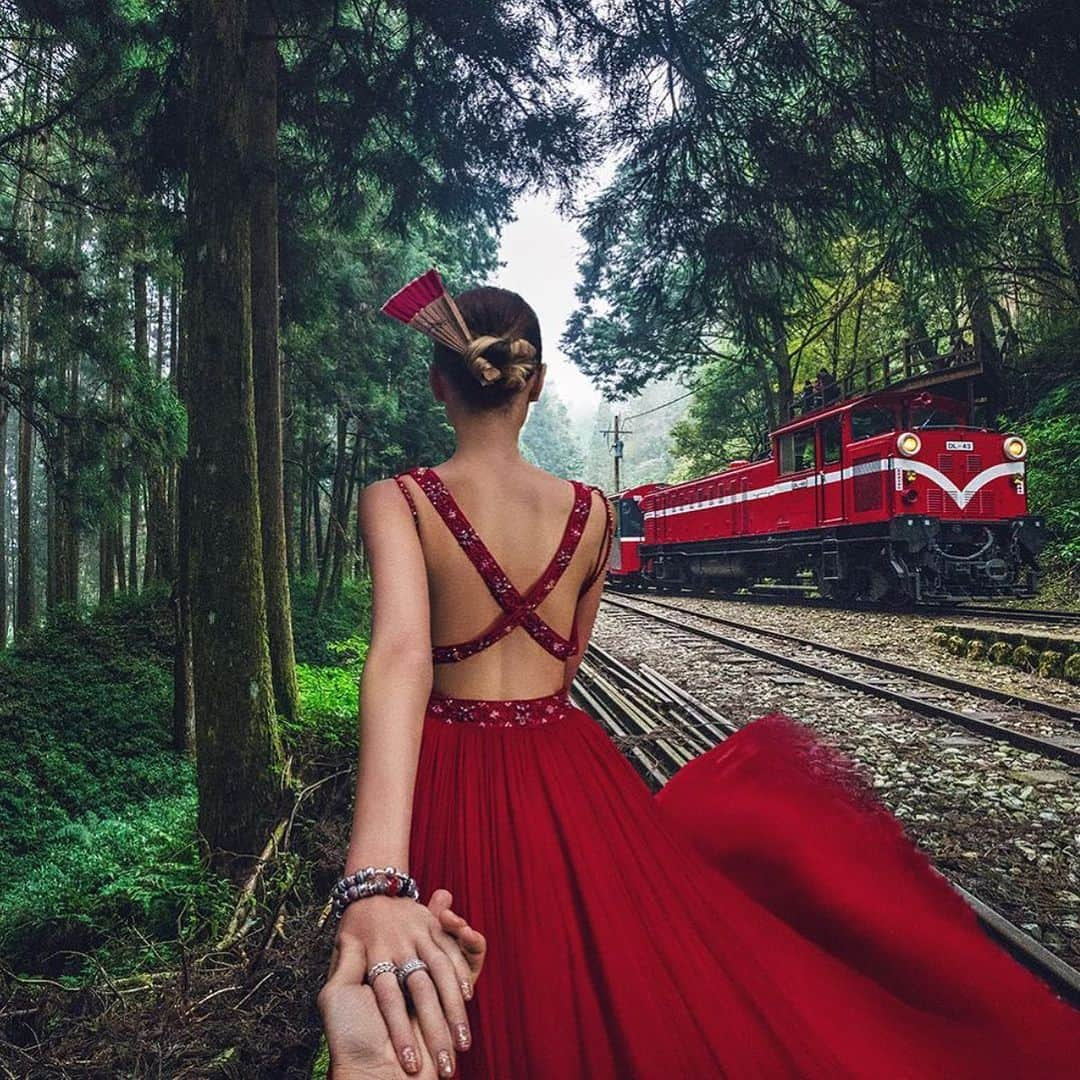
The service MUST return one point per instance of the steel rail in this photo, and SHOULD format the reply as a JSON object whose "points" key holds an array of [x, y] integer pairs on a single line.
{"points": [[1033, 615], [1060, 712], [798, 596], [600, 666], [1050, 748]]}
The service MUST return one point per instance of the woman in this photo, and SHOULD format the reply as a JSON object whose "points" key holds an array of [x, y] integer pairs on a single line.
{"points": [[763, 916]]}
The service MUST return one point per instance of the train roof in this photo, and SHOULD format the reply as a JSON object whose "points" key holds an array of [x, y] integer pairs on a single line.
{"points": [[639, 491], [898, 391]]}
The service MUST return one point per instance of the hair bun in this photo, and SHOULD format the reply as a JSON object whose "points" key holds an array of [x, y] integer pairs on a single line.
{"points": [[514, 360]]}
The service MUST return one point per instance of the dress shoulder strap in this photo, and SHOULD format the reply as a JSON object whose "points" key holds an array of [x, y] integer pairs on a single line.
{"points": [[409, 499], [605, 544], [518, 608]]}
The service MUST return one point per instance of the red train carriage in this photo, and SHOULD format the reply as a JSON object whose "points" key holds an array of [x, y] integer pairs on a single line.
{"points": [[625, 565], [891, 495]]}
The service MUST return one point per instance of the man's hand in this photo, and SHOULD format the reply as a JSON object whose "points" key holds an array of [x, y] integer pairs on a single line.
{"points": [[359, 1042]]}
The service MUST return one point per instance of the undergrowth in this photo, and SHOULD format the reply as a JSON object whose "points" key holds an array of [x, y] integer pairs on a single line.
{"points": [[100, 870]]}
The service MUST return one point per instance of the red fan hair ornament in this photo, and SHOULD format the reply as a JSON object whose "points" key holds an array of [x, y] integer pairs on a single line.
{"points": [[425, 305]]}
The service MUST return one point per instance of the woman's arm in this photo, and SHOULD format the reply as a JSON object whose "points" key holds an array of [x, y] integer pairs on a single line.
{"points": [[395, 684], [394, 690], [589, 602]]}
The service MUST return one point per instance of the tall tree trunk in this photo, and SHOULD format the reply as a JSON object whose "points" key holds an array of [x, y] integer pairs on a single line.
{"points": [[986, 349], [118, 552], [52, 559], [304, 483], [106, 571], [316, 513], [134, 513], [140, 302], [74, 510], [1062, 136], [183, 725], [290, 471], [35, 101], [344, 547], [31, 89], [262, 149], [5, 361], [28, 357], [238, 750], [160, 562], [334, 522]]}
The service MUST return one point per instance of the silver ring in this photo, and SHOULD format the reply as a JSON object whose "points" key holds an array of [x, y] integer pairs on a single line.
{"points": [[410, 967], [381, 968]]}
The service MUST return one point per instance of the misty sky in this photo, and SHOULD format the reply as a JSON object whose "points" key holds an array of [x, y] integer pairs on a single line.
{"points": [[540, 252]]}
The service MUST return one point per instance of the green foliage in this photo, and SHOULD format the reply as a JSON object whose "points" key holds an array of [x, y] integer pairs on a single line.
{"points": [[1053, 434], [85, 704], [347, 620], [547, 438], [330, 704], [101, 874], [803, 185], [726, 420], [99, 812]]}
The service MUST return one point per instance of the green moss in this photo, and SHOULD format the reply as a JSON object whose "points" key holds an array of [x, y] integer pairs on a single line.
{"points": [[1024, 657], [999, 652], [1051, 663], [976, 650], [1071, 668], [957, 645]]}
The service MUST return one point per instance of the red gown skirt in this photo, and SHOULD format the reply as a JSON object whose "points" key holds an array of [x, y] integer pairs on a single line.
{"points": [[762, 916]]}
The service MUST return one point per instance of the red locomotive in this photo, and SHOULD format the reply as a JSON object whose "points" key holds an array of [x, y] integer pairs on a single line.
{"points": [[890, 495]]}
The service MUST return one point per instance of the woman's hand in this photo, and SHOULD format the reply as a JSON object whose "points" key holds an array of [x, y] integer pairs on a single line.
{"points": [[384, 928]]}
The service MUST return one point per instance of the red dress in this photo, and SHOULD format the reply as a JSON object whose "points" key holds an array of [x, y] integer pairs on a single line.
{"points": [[762, 916]]}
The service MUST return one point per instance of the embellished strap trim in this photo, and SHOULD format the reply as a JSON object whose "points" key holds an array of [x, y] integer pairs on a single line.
{"points": [[409, 499], [518, 609], [605, 544]]}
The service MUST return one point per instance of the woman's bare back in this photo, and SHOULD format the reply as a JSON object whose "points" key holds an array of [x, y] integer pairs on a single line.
{"points": [[520, 514]]}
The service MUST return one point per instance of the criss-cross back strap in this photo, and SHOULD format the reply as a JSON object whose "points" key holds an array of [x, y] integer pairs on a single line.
{"points": [[518, 609]]}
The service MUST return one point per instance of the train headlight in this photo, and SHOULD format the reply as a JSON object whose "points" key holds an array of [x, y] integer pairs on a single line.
{"points": [[1015, 448], [909, 444]]}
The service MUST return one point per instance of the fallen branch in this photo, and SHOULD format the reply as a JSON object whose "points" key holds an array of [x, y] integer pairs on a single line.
{"points": [[235, 929]]}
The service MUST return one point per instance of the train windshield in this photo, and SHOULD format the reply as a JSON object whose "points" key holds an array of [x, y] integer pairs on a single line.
{"points": [[930, 416], [631, 523], [871, 420]]}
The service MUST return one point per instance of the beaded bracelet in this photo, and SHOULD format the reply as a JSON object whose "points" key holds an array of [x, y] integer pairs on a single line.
{"points": [[372, 881]]}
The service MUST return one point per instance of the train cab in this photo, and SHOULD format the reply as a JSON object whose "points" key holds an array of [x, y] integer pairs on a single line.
{"points": [[624, 568]]}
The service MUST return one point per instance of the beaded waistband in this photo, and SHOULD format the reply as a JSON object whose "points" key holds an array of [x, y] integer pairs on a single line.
{"points": [[515, 712]]}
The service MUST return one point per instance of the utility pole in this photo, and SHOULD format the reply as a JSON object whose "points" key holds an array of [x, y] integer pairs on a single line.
{"points": [[614, 438]]}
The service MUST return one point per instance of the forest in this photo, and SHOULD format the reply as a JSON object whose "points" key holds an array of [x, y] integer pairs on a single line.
{"points": [[203, 204]]}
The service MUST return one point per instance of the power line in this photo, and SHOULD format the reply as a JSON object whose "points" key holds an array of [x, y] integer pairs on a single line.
{"points": [[689, 393]]}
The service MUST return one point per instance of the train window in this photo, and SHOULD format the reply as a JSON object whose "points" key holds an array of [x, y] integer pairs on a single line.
{"points": [[830, 441], [631, 523], [870, 421], [922, 416], [797, 450]]}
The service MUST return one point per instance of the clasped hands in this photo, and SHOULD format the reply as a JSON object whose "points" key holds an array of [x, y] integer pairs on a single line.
{"points": [[369, 1029]]}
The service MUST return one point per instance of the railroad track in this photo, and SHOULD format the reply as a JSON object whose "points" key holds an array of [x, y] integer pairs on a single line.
{"points": [[660, 727], [886, 679], [797, 596], [1048, 617]]}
